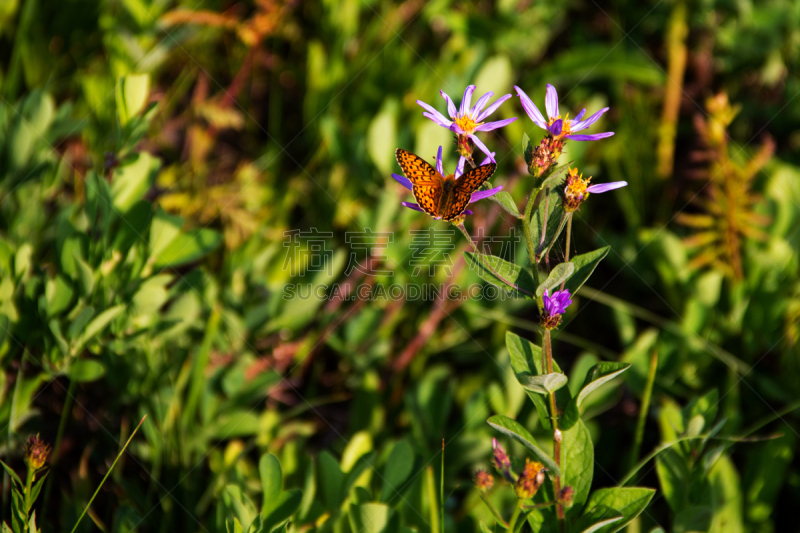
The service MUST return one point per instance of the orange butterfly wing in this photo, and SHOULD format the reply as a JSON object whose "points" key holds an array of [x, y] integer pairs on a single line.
{"points": [[465, 186], [425, 179]]}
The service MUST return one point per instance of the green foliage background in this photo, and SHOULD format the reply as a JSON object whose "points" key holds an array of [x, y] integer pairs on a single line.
{"points": [[154, 153]]}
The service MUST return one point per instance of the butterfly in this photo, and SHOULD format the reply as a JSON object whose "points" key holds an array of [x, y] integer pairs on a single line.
{"points": [[440, 196]]}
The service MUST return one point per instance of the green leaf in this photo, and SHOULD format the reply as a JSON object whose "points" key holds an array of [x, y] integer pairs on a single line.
{"points": [[331, 479], [578, 464], [282, 509], [727, 497], [628, 501], [131, 94], [55, 329], [509, 271], [97, 325], [544, 384], [132, 180], [371, 518], [58, 294], [238, 502], [37, 488], [86, 370], [398, 467], [599, 374], [513, 429], [767, 466], [527, 150], [596, 518], [188, 247], [85, 275], [584, 266], [269, 470], [506, 202], [79, 324], [526, 360], [13, 474], [559, 274]]}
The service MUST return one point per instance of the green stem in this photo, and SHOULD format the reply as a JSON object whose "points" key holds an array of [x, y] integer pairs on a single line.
{"points": [[486, 264], [62, 425], [441, 487], [494, 511], [569, 234], [645, 407], [107, 474], [540, 505], [526, 229], [28, 486], [558, 436], [546, 209], [513, 522]]}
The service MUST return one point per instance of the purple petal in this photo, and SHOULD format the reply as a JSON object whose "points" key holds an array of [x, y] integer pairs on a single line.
{"points": [[402, 180], [489, 126], [456, 129], [531, 109], [556, 127], [467, 212], [460, 167], [451, 107], [579, 116], [582, 125], [413, 206], [482, 146], [551, 101], [492, 108], [481, 104], [488, 159], [439, 117], [605, 187], [439, 120], [466, 100], [593, 137], [439, 167], [480, 195]]}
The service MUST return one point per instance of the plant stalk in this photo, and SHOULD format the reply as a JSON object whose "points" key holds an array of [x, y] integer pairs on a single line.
{"points": [[558, 436], [513, 521], [85, 509], [486, 262], [569, 234], [644, 408]]}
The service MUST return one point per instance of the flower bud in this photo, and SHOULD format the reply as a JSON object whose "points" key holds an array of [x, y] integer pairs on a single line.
{"points": [[566, 496], [36, 451], [529, 480], [483, 480], [501, 461]]}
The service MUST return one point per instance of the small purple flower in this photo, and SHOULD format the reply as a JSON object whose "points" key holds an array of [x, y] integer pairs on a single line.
{"points": [[557, 303], [477, 195], [554, 306], [557, 126], [466, 122]]}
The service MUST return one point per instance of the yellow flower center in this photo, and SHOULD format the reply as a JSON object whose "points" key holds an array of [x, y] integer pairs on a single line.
{"points": [[564, 125], [576, 185], [466, 123]]}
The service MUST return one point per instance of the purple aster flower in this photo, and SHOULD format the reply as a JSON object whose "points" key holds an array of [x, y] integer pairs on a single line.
{"points": [[465, 122], [578, 189], [554, 306], [557, 126], [477, 195]]}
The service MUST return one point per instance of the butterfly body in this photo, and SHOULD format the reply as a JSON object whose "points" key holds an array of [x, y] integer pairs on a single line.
{"points": [[440, 196]]}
